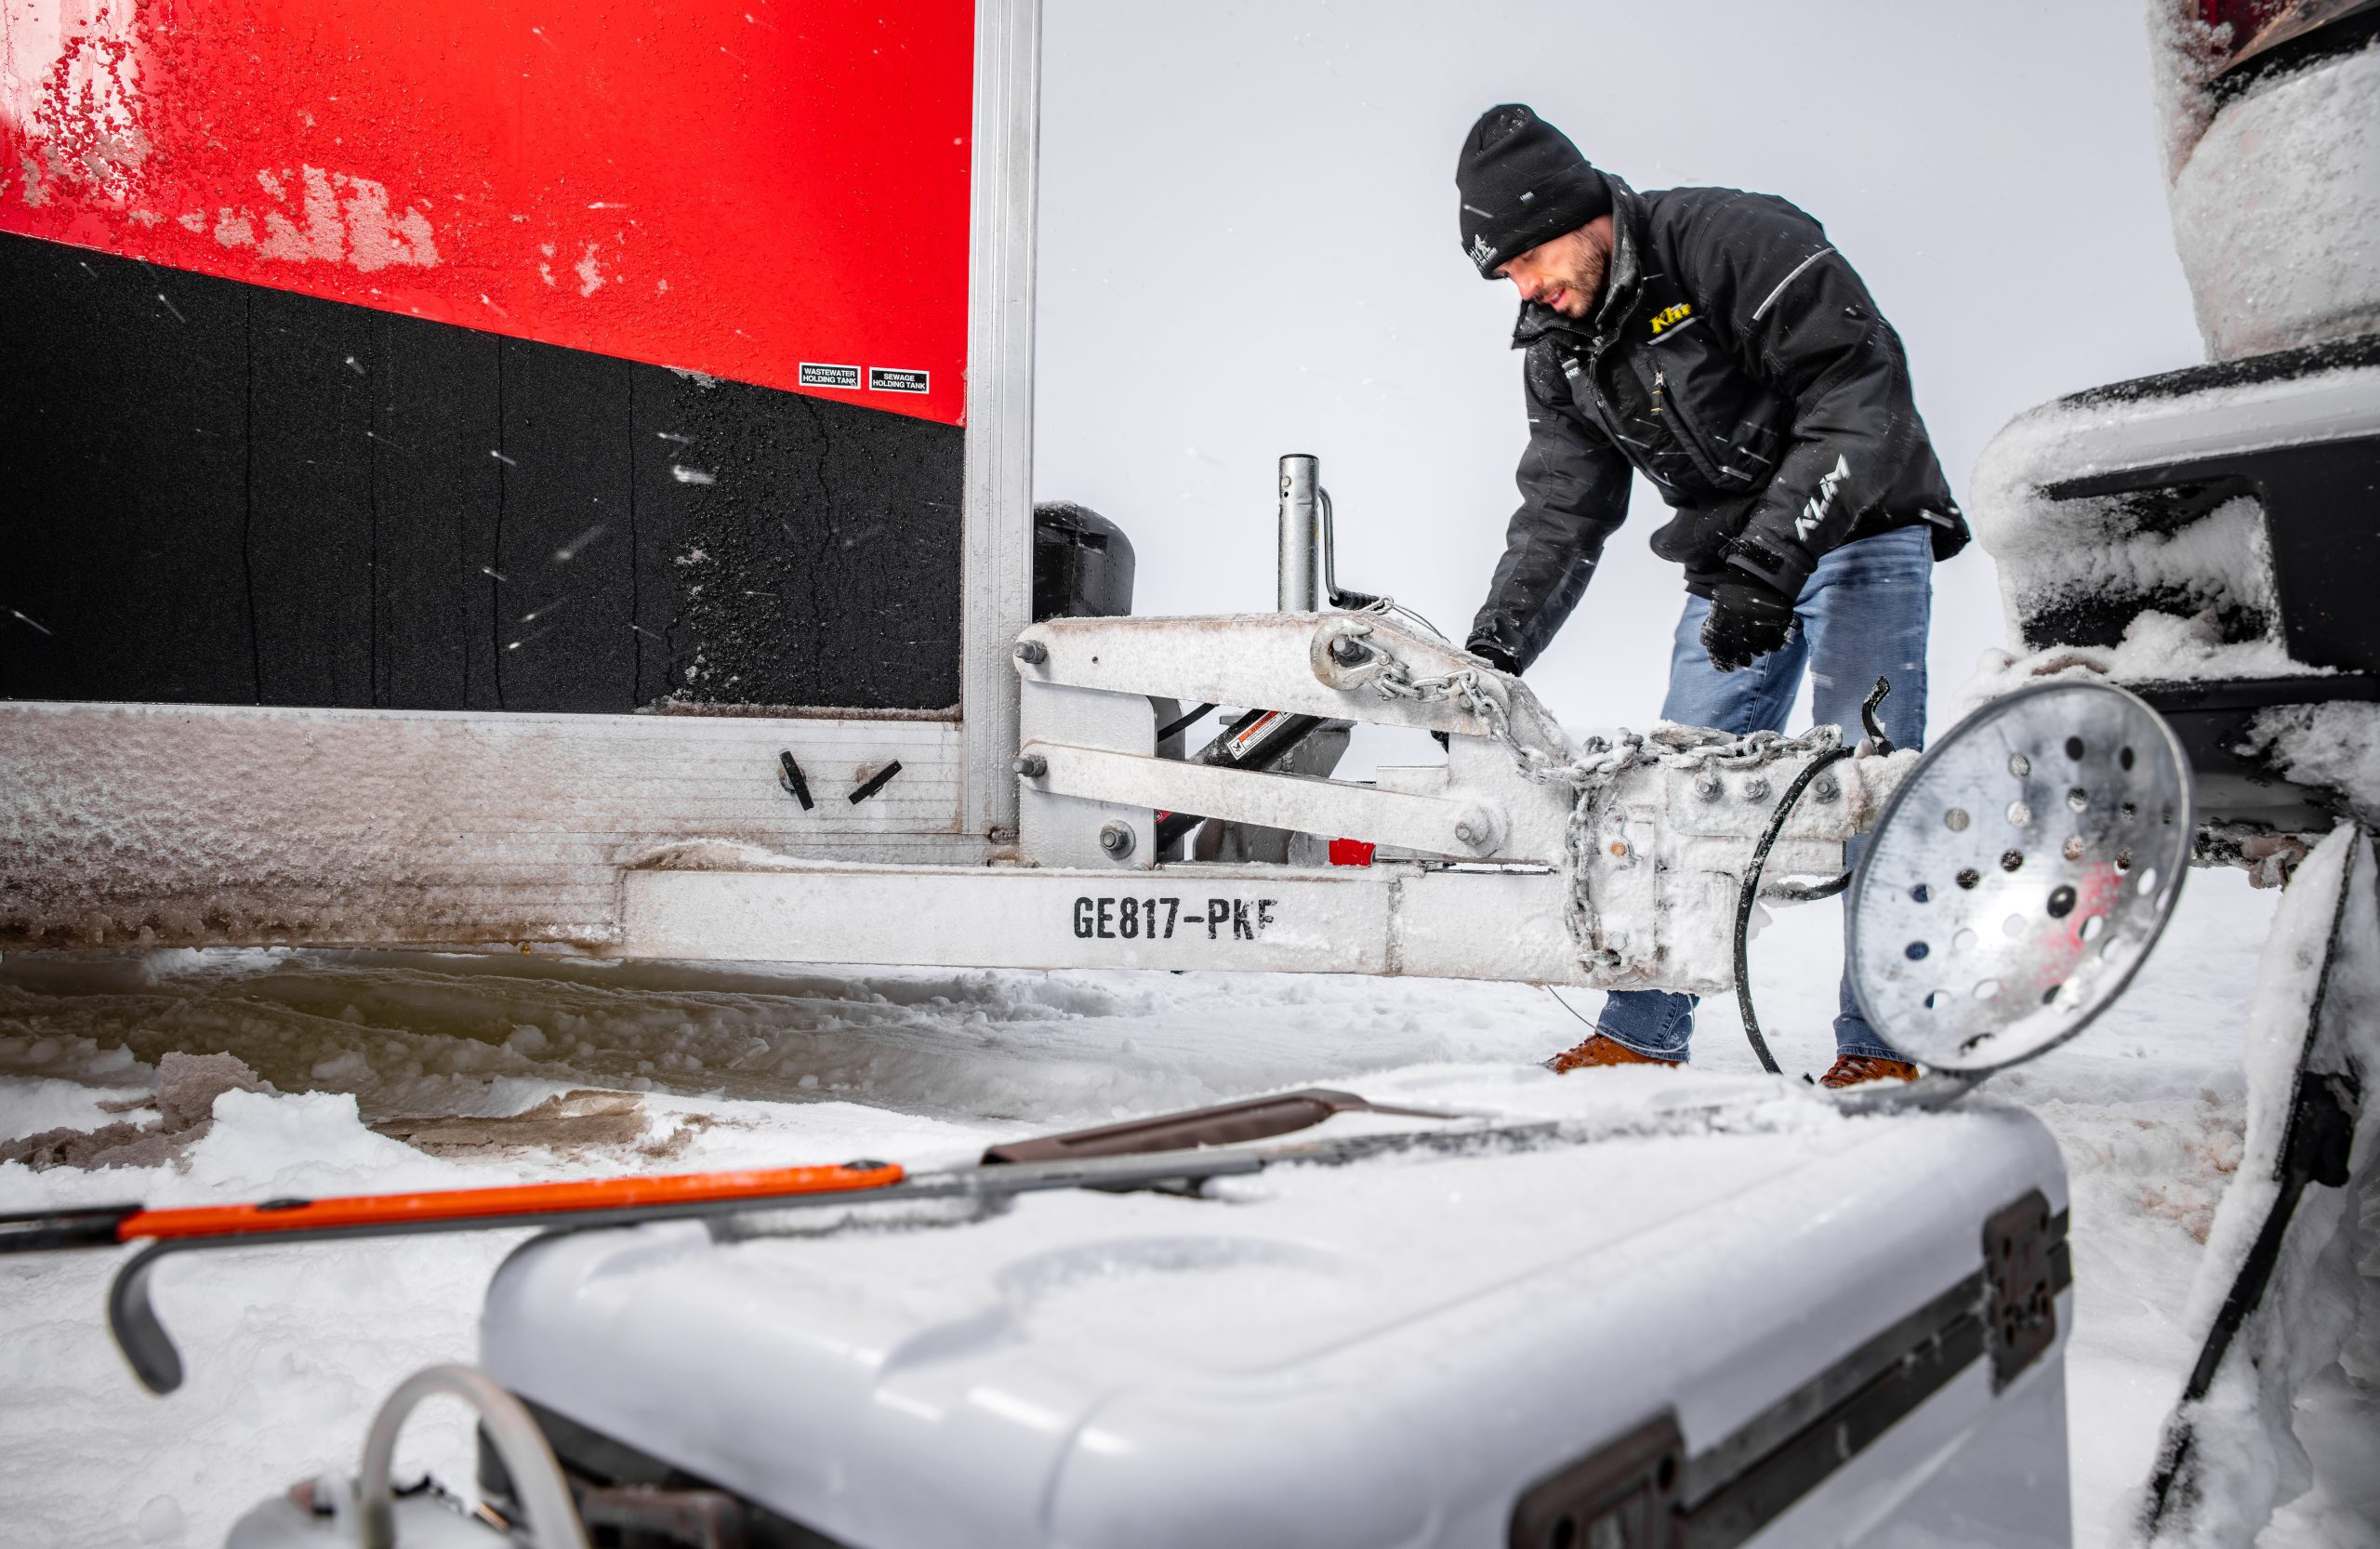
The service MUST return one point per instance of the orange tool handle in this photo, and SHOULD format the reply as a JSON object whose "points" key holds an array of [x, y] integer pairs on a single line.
{"points": [[462, 1204]]}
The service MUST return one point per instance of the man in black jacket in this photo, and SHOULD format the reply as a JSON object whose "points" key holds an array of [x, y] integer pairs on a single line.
{"points": [[1713, 342]]}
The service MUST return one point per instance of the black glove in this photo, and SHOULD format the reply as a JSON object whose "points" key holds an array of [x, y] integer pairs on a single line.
{"points": [[1746, 620], [1493, 655]]}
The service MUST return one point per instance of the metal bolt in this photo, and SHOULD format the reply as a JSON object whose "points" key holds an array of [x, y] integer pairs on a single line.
{"points": [[1466, 831], [1031, 765], [1825, 788], [1756, 789], [1032, 653], [1706, 786], [1117, 840], [1347, 651]]}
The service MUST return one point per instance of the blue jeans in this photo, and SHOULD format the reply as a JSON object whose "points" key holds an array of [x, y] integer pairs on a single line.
{"points": [[1864, 615]]}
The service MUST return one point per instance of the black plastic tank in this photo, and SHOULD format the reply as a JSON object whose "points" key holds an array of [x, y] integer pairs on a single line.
{"points": [[1082, 564]]}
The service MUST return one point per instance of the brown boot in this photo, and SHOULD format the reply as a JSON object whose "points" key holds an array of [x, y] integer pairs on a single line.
{"points": [[1850, 1071], [1597, 1050]]}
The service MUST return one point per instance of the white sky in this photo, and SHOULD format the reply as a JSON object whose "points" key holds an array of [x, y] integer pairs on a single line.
{"points": [[1248, 247]]}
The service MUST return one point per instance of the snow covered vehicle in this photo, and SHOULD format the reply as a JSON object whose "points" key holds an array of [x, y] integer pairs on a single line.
{"points": [[2205, 538], [2183, 534]]}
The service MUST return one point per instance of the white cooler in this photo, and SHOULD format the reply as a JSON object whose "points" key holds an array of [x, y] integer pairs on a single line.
{"points": [[1791, 1326]]}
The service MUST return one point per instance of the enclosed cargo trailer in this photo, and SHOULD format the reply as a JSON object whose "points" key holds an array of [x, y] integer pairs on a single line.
{"points": [[607, 526], [456, 450]]}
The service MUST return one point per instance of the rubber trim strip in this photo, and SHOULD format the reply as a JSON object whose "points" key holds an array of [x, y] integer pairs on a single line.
{"points": [[1737, 1487], [1774, 1429], [1759, 1496]]}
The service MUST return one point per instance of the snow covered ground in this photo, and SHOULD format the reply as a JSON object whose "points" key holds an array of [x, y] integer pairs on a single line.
{"points": [[290, 1350]]}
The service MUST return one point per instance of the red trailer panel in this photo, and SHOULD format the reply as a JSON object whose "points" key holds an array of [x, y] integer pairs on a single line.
{"points": [[770, 191]]}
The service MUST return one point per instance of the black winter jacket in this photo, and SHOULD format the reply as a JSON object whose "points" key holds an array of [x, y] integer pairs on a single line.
{"points": [[1737, 361]]}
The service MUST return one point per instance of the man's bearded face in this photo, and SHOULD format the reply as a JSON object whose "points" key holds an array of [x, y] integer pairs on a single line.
{"points": [[1565, 272]]}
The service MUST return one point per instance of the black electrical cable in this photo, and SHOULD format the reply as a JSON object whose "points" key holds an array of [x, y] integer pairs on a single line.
{"points": [[1751, 894], [1795, 892], [1184, 723]]}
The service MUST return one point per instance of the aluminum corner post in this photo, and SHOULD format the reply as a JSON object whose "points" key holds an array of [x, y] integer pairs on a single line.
{"points": [[996, 569]]}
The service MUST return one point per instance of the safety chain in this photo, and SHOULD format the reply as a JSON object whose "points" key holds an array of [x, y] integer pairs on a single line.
{"points": [[1588, 769]]}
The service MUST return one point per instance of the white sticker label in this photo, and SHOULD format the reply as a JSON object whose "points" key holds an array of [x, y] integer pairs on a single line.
{"points": [[885, 378], [813, 375]]}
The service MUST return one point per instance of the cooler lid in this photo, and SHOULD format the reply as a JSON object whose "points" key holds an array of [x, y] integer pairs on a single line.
{"points": [[1365, 1352]]}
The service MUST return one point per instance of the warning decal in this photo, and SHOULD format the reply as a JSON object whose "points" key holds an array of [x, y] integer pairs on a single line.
{"points": [[814, 375], [884, 379]]}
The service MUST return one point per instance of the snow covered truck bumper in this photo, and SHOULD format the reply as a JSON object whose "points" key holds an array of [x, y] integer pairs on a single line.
{"points": [[2203, 537]]}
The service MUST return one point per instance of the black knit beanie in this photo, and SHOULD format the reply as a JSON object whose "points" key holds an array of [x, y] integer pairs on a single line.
{"points": [[1521, 183]]}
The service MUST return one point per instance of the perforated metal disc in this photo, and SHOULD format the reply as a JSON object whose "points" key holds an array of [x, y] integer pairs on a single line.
{"points": [[2020, 876]]}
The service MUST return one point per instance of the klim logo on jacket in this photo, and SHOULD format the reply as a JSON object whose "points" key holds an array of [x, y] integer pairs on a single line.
{"points": [[1670, 317], [1815, 512]]}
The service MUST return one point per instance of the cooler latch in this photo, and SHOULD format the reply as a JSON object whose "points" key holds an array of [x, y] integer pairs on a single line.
{"points": [[2022, 1258], [1623, 1495]]}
